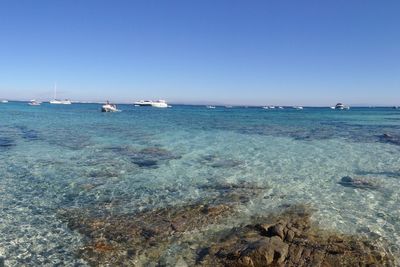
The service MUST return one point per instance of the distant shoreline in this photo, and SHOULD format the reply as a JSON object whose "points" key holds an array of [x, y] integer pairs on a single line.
{"points": [[217, 105]]}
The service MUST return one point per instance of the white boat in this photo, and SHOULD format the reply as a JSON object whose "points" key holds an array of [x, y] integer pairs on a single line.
{"points": [[143, 103], [210, 107], [266, 107], [341, 106], [109, 108], [280, 107], [56, 101], [271, 107], [298, 108], [4, 101], [150, 103], [34, 103], [60, 102], [160, 104]]}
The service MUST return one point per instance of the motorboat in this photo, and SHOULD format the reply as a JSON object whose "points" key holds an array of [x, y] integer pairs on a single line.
{"points": [[4, 101], [298, 108], [271, 107], [265, 107], [280, 107], [34, 103], [160, 104], [150, 103], [56, 101], [341, 106], [109, 108], [210, 107], [143, 103]]}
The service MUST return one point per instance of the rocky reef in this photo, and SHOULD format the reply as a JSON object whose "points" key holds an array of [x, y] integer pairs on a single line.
{"points": [[203, 234], [123, 240], [291, 239]]}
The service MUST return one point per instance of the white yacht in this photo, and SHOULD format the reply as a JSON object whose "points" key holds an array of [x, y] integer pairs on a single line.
{"points": [[160, 104], [265, 107], [210, 107], [298, 107], [143, 103], [56, 101], [150, 103], [4, 101], [340, 106], [34, 103], [109, 108]]}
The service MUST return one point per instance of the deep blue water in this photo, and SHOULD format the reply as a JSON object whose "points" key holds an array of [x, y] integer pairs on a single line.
{"points": [[56, 157]]}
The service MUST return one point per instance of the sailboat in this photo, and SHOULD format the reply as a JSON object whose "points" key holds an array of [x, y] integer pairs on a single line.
{"points": [[56, 101]]}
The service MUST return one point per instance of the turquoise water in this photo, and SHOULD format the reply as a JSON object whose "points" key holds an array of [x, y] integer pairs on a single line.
{"points": [[55, 157]]}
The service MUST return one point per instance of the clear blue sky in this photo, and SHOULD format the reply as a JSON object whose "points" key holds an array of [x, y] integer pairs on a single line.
{"points": [[249, 52]]}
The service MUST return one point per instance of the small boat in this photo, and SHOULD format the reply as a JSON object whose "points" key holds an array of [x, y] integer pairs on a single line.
{"points": [[280, 107], [340, 106], [109, 108], [160, 104], [266, 107], [4, 101], [34, 103], [210, 107], [271, 107], [298, 108]]}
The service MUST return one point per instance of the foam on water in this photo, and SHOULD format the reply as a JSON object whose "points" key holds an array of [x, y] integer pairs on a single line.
{"points": [[53, 158]]}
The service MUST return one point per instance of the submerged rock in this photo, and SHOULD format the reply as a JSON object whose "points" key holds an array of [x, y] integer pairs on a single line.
{"points": [[118, 239], [146, 238], [6, 142], [219, 162], [68, 139], [389, 138], [290, 239], [149, 157], [28, 134], [121, 239], [348, 181]]}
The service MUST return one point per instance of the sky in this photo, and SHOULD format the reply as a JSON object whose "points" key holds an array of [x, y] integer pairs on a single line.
{"points": [[202, 51]]}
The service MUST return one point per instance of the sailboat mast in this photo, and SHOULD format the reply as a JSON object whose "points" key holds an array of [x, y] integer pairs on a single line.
{"points": [[55, 90]]}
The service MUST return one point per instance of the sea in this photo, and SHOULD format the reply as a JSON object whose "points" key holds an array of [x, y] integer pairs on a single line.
{"points": [[72, 157]]}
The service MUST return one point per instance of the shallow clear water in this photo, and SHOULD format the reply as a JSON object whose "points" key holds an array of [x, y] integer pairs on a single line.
{"points": [[56, 157]]}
